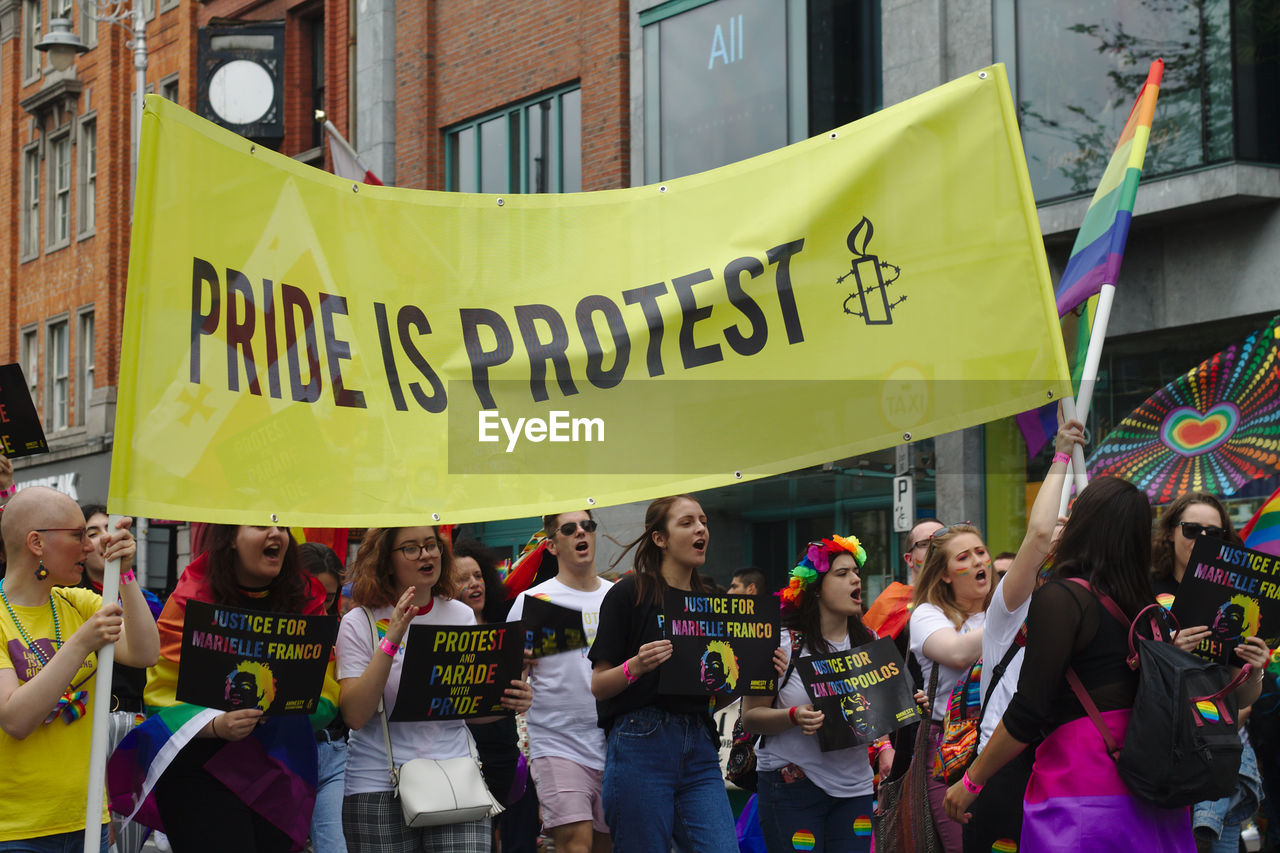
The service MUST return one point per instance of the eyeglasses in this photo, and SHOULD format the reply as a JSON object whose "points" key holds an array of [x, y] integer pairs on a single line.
{"points": [[570, 527], [81, 532], [413, 551], [1191, 530]]}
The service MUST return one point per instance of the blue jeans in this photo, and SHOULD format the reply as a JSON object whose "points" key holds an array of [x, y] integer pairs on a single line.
{"points": [[662, 783], [326, 820], [64, 842], [801, 816]]}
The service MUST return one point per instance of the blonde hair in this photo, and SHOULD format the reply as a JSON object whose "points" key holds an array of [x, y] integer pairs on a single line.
{"points": [[930, 586]]}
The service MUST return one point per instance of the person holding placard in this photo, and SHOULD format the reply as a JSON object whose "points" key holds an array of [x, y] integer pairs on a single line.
{"points": [[951, 598], [566, 747], [226, 779], [810, 799], [662, 777], [402, 576], [50, 634]]}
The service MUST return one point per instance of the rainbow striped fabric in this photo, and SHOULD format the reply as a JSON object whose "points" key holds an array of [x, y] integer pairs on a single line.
{"points": [[273, 771], [1262, 533]]}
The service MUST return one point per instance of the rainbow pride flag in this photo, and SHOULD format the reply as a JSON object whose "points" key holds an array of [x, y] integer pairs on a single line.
{"points": [[273, 770], [1262, 533], [1099, 246]]}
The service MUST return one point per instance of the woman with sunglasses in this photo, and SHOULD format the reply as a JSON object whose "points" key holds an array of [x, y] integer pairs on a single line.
{"points": [[801, 788], [951, 598], [402, 576]]}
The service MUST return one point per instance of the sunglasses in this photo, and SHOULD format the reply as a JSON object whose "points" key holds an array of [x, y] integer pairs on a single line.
{"points": [[941, 531], [1191, 530], [571, 527]]}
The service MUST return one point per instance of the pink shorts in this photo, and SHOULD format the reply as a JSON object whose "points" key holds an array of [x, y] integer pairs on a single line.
{"points": [[568, 792]]}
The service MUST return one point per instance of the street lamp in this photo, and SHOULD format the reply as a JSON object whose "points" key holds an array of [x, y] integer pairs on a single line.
{"points": [[61, 44]]}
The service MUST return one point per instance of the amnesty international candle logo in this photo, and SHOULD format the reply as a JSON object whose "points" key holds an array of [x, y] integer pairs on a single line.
{"points": [[1234, 592], [862, 693], [722, 644], [234, 659], [452, 672]]}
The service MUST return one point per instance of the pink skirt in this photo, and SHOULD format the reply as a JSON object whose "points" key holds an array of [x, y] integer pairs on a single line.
{"points": [[1077, 801]]}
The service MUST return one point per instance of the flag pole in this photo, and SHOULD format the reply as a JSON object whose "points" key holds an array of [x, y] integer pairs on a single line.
{"points": [[1088, 378], [101, 713]]}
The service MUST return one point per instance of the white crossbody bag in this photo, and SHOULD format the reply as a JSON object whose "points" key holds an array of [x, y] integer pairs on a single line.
{"points": [[436, 792]]}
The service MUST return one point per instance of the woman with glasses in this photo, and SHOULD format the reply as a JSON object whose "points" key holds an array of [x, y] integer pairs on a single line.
{"points": [[951, 598], [402, 576], [803, 791]]}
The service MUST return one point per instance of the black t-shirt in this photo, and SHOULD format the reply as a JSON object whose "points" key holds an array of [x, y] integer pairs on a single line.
{"points": [[1164, 586], [626, 625]]}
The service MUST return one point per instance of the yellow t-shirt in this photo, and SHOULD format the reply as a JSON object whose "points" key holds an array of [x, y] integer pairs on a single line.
{"points": [[44, 780]]}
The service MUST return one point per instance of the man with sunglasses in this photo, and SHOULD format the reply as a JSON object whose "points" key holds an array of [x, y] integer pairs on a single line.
{"points": [[566, 747]]}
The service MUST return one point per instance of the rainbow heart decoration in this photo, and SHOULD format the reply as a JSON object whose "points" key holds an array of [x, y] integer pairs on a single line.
{"points": [[1207, 710], [1187, 432]]}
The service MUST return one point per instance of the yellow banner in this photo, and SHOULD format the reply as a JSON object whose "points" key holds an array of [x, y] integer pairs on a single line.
{"points": [[305, 350]]}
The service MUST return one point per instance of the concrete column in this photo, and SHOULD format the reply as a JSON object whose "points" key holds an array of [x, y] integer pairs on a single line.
{"points": [[375, 86], [960, 484]]}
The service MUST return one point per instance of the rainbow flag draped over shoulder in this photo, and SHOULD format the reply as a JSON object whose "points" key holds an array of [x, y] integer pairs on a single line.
{"points": [[1262, 533], [273, 771], [1099, 246]]}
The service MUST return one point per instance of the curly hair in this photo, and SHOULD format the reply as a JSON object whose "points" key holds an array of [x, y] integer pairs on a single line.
{"points": [[1162, 556], [290, 592], [930, 586], [373, 582]]}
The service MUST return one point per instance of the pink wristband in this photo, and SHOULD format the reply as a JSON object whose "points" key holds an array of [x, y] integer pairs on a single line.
{"points": [[127, 577], [791, 715], [969, 784], [388, 647], [1060, 457], [626, 673], [5, 494]]}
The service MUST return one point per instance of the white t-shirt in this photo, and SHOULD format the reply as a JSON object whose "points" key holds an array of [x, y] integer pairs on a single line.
{"points": [[1002, 627], [562, 719], [366, 754], [926, 620], [842, 772]]}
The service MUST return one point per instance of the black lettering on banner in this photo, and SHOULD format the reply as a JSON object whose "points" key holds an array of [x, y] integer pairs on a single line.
{"points": [[482, 359], [754, 342], [389, 358], [337, 350], [781, 255], [412, 316], [540, 352], [269, 326], [202, 273], [596, 374], [647, 298], [691, 314], [240, 332], [295, 304]]}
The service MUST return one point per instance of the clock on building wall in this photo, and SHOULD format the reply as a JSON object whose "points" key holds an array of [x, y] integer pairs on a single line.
{"points": [[241, 78]]}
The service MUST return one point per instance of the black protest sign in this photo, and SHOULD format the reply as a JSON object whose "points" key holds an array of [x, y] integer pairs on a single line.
{"points": [[451, 672], [234, 659], [1233, 591], [863, 693], [721, 644], [20, 431], [550, 629]]}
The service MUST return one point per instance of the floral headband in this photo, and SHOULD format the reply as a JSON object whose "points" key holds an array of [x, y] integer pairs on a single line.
{"points": [[816, 561]]}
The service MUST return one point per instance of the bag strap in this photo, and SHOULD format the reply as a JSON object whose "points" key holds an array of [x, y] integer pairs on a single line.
{"points": [[382, 711], [797, 643], [998, 672], [1114, 610], [1091, 709]]}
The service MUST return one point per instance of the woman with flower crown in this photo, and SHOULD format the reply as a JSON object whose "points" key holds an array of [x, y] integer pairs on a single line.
{"points": [[807, 796]]}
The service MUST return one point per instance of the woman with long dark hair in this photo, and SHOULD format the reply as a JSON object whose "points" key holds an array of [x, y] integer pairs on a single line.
{"points": [[240, 780], [402, 576], [801, 788], [662, 777], [1076, 799]]}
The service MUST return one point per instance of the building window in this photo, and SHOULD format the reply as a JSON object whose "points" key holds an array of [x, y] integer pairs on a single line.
{"points": [[58, 360], [31, 362], [730, 79], [534, 146], [86, 211], [169, 88], [32, 30], [84, 363], [1081, 65], [59, 191], [88, 23], [31, 202]]}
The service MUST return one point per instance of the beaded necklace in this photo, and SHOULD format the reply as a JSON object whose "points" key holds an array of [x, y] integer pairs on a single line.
{"points": [[22, 632]]}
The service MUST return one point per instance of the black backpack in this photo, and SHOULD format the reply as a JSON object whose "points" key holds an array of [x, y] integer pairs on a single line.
{"points": [[1182, 745]]}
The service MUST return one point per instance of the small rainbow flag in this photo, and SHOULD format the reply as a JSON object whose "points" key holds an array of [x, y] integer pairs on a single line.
{"points": [[1262, 533], [1005, 845], [803, 840], [862, 826]]}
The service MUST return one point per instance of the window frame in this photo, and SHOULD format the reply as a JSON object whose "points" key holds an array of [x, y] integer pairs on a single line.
{"points": [[87, 176], [60, 200], [32, 31], [29, 353], [88, 23], [85, 362], [29, 222], [58, 380], [168, 84]]}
